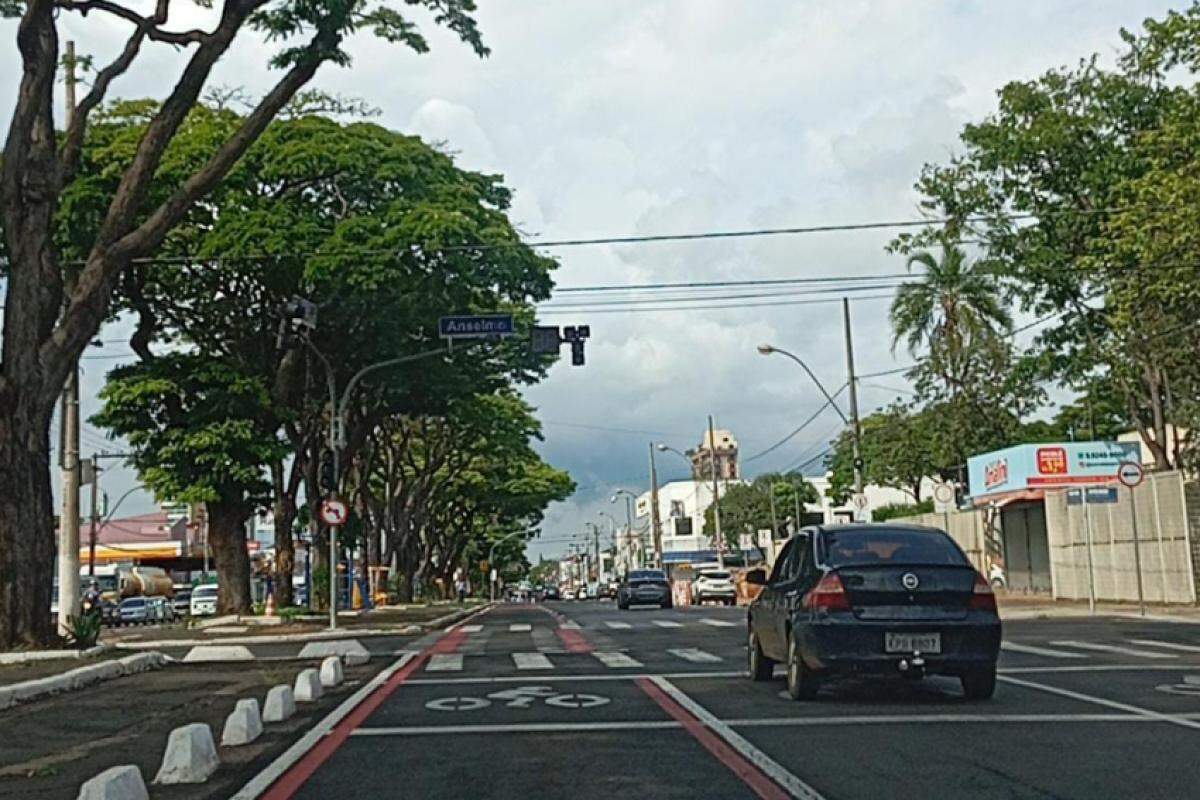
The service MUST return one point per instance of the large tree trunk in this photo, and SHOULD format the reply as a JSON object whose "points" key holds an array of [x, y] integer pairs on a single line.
{"points": [[27, 547], [283, 514], [227, 535]]}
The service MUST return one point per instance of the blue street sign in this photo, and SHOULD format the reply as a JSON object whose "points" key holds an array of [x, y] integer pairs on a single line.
{"points": [[1095, 495], [475, 326]]}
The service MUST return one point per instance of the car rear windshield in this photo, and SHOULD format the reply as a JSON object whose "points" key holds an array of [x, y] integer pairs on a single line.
{"points": [[205, 591], [889, 546], [647, 575], [136, 603], [715, 576]]}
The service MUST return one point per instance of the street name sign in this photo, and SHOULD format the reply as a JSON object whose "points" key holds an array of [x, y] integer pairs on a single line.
{"points": [[1096, 495], [333, 512], [476, 326]]}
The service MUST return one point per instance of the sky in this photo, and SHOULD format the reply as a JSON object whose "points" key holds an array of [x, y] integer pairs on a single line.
{"points": [[639, 117]]}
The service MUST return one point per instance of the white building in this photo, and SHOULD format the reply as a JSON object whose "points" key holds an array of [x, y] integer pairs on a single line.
{"points": [[683, 504]]}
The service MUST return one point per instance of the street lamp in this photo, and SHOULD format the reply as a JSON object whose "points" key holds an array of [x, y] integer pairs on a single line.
{"points": [[629, 498], [767, 349]]}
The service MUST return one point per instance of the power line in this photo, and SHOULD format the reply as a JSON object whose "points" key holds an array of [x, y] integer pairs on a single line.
{"points": [[591, 310], [839, 290], [802, 426], [729, 284]]}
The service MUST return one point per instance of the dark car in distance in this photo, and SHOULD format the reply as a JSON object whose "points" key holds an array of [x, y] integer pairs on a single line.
{"points": [[882, 599], [644, 587], [551, 592]]}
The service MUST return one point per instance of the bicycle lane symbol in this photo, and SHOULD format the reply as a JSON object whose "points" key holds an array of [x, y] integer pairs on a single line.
{"points": [[520, 697]]}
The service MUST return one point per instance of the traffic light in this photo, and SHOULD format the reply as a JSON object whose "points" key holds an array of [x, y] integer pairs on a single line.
{"points": [[577, 353], [576, 336], [296, 317], [328, 479]]}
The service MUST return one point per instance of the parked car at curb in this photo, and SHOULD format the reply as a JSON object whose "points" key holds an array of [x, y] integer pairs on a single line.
{"points": [[714, 585], [881, 599], [645, 587], [203, 602], [181, 601]]}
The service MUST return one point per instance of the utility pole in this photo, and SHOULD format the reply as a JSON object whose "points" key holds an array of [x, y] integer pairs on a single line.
{"points": [[856, 429], [68, 526], [712, 461], [654, 515], [95, 517]]}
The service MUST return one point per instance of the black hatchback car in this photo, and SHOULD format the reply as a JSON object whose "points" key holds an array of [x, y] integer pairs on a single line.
{"points": [[876, 599]]}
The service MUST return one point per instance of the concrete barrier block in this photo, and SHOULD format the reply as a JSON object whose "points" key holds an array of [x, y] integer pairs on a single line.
{"points": [[218, 652], [117, 783], [243, 725], [29, 690], [355, 659], [308, 686], [334, 647], [331, 672], [280, 704], [191, 756], [140, 662]]}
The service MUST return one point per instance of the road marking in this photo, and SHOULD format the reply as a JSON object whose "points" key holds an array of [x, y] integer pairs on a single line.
{"points": [[1089, 668], [1112, 648], [695, 655], [1101, 701], [519, 627], [571, 625], [456, 704], [616, 660], [718, 623], [758, 770], [1013, 647], [471, 628], [620, 626], [666, 623], [445, 662], [527, 727], [606, 676], [1183, 648], [532, 661]]}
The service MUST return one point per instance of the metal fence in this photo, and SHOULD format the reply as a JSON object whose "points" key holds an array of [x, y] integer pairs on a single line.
{"points": [[1093, 550]]}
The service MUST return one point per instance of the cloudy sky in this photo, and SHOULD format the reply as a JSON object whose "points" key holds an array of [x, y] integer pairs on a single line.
{"points": [[632, 117]]}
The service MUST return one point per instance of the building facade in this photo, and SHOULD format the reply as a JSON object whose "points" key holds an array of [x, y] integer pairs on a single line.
{"points": [[725, 447]]}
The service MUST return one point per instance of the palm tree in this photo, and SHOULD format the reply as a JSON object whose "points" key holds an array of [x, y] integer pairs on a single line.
{"points": [[953, 310]]}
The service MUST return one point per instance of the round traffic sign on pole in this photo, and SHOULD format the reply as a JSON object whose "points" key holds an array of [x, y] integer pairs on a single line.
{"points": [[1130, 473], [333, 512]]}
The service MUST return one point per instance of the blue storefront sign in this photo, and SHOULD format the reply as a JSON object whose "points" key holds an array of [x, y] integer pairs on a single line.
{"points": [[1048, 466]]}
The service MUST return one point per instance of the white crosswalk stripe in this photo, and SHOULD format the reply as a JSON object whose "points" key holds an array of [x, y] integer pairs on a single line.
{"points": [[570, 625], [532, 661], [471, 628], [718, 623], [1039, 651], [1112, 648], [1183, 648], [620, 626], [445, 662], [616, 659], [520, 627], [666, 623], [695, 655]]}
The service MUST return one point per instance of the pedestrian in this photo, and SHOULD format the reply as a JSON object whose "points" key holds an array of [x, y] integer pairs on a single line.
{"points": [[460, 585]]}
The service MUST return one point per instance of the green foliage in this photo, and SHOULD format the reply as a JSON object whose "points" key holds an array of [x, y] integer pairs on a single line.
{"points": [[746, 508], [83, 631], [898, 450], [893, 511]]}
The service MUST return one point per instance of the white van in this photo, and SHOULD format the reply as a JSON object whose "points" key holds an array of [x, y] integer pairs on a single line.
{"points": [[204, 600]]}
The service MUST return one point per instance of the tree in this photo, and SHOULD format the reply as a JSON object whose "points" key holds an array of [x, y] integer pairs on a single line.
{"points": [[210, 433], [954, 309], [746, 507], [897, 448], [55, 299]]}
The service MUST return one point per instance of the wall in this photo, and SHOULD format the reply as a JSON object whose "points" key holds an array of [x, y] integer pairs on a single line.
{"points": [[1164, 536]]}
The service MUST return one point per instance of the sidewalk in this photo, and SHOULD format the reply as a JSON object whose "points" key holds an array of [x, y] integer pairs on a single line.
{"points": [[1016, 606]]}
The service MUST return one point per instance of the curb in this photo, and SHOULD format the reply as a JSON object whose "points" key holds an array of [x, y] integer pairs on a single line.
{"points": [[52, 655], [70, 680], [316, 636]]}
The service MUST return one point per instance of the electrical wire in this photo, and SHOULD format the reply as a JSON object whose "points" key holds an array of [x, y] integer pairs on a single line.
{"points": [[802, 426]]}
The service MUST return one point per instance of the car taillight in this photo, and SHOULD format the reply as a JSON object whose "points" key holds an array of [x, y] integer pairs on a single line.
{"points": [[828, 595], [982, 596]]}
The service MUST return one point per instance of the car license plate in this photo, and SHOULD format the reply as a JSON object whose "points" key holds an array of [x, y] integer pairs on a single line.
{"points": [[912, 642]]}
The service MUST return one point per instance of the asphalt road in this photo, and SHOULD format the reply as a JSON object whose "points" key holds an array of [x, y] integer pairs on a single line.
{"points": [[580, 700]]}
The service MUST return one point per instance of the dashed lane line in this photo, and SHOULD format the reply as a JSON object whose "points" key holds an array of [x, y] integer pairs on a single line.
{"points": [[532, 661], [1013, 647], [618, 626], [695, 655], [471, 628], [667, 623], [571, 625], [1183, 648], [445, 662], [607, 676], [1103, 701], [1112, 648], [616, 660], [718, 623], [520, 627]]}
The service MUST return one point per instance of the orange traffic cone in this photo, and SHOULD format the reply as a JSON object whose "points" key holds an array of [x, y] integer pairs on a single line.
{"points": [[270, 608]]}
